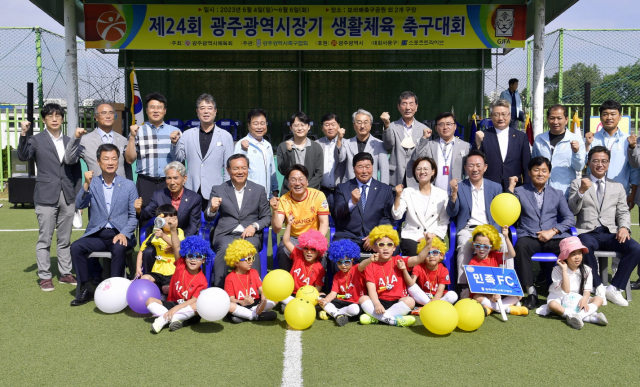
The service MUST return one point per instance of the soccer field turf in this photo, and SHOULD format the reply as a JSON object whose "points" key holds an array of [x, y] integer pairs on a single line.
{"points": [[47, 342]]}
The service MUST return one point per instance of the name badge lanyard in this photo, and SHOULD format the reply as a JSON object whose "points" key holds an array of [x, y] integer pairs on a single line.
{"points": [[445, 168]]}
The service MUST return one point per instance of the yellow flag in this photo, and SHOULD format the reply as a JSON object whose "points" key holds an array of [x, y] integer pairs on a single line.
{"points": [[575, 124]]}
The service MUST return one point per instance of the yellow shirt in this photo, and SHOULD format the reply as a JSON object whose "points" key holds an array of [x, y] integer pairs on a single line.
{"points": [[164, 261], [305, 212]]}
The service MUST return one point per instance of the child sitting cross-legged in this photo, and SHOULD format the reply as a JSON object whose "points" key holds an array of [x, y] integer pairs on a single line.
{"points": [[244, 286], [487, 252], [187, 281], [388, 300], [348, 284]]}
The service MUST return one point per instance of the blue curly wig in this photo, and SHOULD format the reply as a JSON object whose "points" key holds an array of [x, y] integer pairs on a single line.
{"points": [[195, 245], [343, 248]]}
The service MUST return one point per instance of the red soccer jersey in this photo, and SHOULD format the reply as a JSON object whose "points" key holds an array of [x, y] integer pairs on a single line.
{"points": [[387, 274], [185, 285], [495, 259], [305, 273], [350, 287], [429, 280], [242, 285]]}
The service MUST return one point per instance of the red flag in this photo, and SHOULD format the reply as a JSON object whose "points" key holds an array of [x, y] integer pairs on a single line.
{"points": [[529, 129]]}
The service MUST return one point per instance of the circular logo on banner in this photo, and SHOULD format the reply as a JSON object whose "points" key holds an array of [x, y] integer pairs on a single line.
{"points": [[111, 26]]}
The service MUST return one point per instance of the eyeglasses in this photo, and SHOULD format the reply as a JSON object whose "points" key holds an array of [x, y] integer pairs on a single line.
{"points": [[480, 246], [434, 252], [293, 180], [311, 249], [445, 124], [598, 162], [363, 123], [258, 123], [346, 262], [500, 114], [197, 257], [385, 244], [155, 107], [248, 259]]}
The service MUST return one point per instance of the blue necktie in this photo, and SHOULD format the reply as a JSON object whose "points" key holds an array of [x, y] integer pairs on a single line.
{"points": [[363, 196]]}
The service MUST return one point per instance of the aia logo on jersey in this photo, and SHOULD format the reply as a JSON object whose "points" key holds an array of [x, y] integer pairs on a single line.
{"points": [[242, 296], [111, 26]]}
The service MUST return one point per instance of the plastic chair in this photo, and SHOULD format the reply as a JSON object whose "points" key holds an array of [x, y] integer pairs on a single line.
{"points": [[208, 264], [539, 257], [603, 268], [485, 124], [175, 122], [194, 123], [230, 126]]}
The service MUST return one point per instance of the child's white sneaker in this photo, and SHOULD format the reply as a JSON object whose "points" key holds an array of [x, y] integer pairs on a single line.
{"points": [[175, 325], [158, 324], [602, 320], [575, 322]]}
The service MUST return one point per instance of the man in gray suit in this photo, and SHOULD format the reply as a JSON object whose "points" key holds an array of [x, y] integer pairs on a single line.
{"points": [[448, 151], [56, 186], [243, 211], [545, 219], [365, 142], [335, 156], [604, 223], [401, 138]]}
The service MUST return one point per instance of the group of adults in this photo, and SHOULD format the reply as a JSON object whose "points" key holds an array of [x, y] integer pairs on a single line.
{"points": [[413, 176]]}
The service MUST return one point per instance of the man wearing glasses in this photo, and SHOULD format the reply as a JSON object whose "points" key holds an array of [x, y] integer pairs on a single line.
{"points": [[365, 142], [334, 156], [507, 149]]}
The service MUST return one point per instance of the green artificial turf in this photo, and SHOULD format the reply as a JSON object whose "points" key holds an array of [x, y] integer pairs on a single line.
{"points": [[47, 342]]}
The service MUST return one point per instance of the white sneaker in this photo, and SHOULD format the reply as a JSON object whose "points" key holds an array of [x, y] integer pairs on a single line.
{"points": [[158, 324], [601, 319], [615, 296], [601, 292], [575, 322]]}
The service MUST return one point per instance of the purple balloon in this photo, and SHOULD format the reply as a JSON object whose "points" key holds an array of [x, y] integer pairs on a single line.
{"points": [[139, 292]]}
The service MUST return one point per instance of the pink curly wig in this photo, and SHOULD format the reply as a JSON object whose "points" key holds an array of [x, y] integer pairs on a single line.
{"points": [[313, 239]]}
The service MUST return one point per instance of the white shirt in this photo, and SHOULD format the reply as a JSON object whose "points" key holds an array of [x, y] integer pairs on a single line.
{"points": [[360, 185], [59, 144], [408, 129], [503, 141], [107, 138], [328, 179], [445, 155], [555, 290], [478, 209]]}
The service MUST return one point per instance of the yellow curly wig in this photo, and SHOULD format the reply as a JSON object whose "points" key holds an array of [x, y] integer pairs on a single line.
{"points": [[385, 230], [490, 232], [237, 250], [436, 243]]}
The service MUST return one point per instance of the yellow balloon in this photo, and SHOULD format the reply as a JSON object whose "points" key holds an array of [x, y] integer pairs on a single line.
{"points": [[309, 293], [439, 317], [299, 314], [277, 285], [505, 209], [470, 314]]}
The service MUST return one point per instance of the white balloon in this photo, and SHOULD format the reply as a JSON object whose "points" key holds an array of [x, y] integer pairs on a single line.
{"points": [[213, 304], [111, 294]]}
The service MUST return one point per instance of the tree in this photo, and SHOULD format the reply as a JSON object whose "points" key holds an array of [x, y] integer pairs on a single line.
{"points": [[623, 85], [573, 84]]}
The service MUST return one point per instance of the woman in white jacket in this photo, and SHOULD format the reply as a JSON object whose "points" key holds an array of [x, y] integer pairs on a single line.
{"points": [[425, 207]]}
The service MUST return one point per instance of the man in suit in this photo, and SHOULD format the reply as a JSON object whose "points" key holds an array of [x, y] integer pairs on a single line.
{"points": [[243, 211], [112, 224], [365, 142], [507, 149], [300, 150], [604, 223], [186, 202], [448, 151], [206, 150], [545, 219], [401, 138], [335, 156], [513, 97], [56, 185], [362, 203], [470, 206]]}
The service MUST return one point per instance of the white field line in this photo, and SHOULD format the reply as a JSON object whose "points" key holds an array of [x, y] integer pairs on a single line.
{"points": [[292, 370]]}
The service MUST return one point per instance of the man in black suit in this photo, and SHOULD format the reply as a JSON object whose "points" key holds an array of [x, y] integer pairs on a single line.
{"points": [[186, 202], [362, 203], [243, 211], [507, 149]]}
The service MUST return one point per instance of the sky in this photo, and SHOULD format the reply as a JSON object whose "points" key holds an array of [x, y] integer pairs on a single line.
{"points": [[584, 14]]}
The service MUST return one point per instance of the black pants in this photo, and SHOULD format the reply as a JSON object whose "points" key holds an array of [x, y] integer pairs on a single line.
{"points": [[220, 244], [329, 193], [408, 247], [525, 248], [148, 185]]}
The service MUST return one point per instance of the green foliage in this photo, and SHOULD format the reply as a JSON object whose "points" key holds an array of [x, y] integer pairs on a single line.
{"points": [[573, 84]]}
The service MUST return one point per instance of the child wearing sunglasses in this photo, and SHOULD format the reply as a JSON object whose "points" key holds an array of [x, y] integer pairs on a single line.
{"points": [[428, 280], [487, 248], [306, 269], [187, 282], [244, 286], [387, 298], [348, 284]]}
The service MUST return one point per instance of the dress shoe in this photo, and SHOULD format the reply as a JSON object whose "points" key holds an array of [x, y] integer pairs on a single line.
{"points": [[85, 296], [635, 285], [531, 302]]}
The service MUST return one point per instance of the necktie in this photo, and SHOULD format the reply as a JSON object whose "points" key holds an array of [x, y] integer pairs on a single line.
{"points": [[106, 139], [600, 193], [363, 196]]}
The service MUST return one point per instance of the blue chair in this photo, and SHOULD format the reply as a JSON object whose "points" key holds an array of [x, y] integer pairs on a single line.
{"points": [[230, 126], [459, 130], [175, 122], [194, 123], [485, 124]]}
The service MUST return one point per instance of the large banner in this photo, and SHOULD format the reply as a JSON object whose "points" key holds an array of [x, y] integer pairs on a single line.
{"points": [[236, 27]]}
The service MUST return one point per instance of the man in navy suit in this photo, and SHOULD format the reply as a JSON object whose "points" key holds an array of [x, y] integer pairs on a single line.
{"points": [[362, 203], [545, 219], [186, 202], [112, 224], [507, 149], [469, 206]]}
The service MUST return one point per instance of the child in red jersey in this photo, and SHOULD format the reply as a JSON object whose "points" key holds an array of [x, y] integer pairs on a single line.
{"points": [[306, 269], [428, 280], [244, 286], [487, 245], [388, 299], [348, 284], [186, 283]]}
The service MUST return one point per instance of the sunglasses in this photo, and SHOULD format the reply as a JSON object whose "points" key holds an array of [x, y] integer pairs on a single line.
{"points": [[383, 244], [197, 257], [480, 246], [434, 252], [248, 259], [309, 249], [345, 262]]}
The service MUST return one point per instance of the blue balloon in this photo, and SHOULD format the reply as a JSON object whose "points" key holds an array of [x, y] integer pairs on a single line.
{"points": [[139, 292]]}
